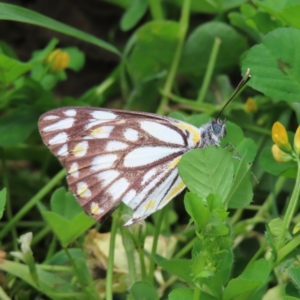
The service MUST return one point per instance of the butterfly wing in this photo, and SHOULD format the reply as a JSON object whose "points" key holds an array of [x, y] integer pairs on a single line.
{"points": [[115, 155]]}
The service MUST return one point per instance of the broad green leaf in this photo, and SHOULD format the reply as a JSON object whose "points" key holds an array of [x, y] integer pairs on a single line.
{"points": [[270, 165], [11, 69], [2, 201], [207, 171], [51, 284], [16, 126], [291, 14], [20, 14], [71, 229], [133, 14], [199, 45], [295, 275], [77, 58], [154, 50], [195, 208], [240, 21], [243, 286], [275, 65], [143, 291], [216, 6], [182, 293], [64, 204], [245, 147], [179, 267], [241, 193]]}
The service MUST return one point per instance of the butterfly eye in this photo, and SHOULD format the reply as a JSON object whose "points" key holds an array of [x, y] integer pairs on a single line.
{"points": [[216, 127]]}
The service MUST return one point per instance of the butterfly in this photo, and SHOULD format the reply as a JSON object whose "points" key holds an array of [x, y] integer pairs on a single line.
{"points": [[114, 156], [117, 155]]}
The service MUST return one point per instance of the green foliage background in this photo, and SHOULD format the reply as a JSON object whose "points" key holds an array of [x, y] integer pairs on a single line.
{"points": [[236, 229]]}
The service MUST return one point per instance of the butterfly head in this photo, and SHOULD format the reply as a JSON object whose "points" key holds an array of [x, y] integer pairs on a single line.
{"points": [[218, 128]]}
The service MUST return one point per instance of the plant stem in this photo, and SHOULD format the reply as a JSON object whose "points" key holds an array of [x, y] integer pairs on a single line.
{"points": [[197, 293], [154, 244], [111, 256], [33, 201], [288, 248], [183, 27], [156, 9], [291, 209], [8, 200], [209, 70]]}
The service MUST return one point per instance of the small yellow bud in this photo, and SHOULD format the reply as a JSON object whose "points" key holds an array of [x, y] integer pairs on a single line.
{"points": [[297, 141], [251, 106], [58, 60], [280, 137], [279, 155]]}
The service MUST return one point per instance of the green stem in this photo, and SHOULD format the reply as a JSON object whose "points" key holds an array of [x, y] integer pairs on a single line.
{"points": [[156, 9], [41, 234], [209, 70], [33, 201], [8, 209], [111, 256], [155, 241], [141, 253], [183, 27], [186, 248], [288, 248], [77, 272], [197, 293], [291, 209]]}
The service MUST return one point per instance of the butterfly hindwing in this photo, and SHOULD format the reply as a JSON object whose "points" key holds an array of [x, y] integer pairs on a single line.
{"points": [[115, 155]]}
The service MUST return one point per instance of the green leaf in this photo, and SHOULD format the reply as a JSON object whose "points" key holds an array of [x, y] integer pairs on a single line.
{"points": [[64, 204], [253, 277], [244, 146], [180, 267], [275, 65], [143, 291], [207, 171], [71, 229], [270, 165], [195, 208], [49, 283], [133, 14], [20, 14], [199, 45], [154, 50], [2, 201], [182, 293], [295, 275], [291, 14], [77, 58], [16, 126], [11, 69], [241, 193]]}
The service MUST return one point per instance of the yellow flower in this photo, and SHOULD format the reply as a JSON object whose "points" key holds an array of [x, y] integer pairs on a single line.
{"points": [[250, 105], [279, 155], [57, 60], [280, 137], [297, 141]]}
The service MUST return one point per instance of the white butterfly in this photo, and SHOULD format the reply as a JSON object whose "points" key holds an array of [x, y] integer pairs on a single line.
{"points": [[115, 155]]}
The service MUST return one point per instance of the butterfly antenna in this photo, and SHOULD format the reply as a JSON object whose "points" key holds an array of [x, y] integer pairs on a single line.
{"points": [[242, 83]]}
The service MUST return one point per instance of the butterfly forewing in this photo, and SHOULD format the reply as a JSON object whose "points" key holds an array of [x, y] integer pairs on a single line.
{"points": [[114, 155]]}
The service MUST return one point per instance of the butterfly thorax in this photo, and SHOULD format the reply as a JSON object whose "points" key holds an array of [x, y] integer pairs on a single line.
{"points": [[212, 132]]}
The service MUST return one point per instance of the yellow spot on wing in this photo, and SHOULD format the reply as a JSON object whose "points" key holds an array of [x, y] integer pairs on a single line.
{"points": [[97, 131], [77, 149], [174, 163], [81, 191], [176, 189], [95, 209], [150, 204], [194, 132]]}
